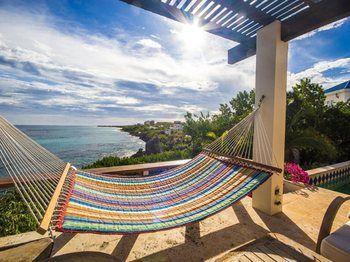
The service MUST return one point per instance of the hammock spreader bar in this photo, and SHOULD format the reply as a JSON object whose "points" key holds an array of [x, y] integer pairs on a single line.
{"points": [[46, 221]]}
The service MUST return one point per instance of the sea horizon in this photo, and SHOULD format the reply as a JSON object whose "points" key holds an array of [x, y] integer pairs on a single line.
{"points": [[82, 145]]}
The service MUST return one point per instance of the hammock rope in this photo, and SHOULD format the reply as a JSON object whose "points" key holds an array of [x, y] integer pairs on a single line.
{"points": [[78, 201]]}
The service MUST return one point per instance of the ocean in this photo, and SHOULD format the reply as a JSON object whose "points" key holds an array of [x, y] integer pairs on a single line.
{"points": [[82, 145]]}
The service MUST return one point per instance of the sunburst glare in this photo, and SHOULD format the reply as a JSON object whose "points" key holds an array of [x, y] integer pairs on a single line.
{"points": [[192, 36]]}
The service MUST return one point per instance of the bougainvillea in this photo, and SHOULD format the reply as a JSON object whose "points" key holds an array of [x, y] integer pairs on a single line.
{"points": [[295, 173]]}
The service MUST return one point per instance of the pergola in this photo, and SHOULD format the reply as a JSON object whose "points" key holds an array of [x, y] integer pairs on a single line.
{"points": [[261, 27]]}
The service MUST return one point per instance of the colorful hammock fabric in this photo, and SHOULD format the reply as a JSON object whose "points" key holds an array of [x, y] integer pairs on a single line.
{"points": [[198, 189]]}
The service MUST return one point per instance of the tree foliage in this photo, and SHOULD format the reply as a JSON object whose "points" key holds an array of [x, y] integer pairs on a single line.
{"points": [[159, 157], [14, 215], [315, 134], [204, 128]]}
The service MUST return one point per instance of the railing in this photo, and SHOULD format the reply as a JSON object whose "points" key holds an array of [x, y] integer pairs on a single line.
{"points": [[139, 169], [330, 177]]}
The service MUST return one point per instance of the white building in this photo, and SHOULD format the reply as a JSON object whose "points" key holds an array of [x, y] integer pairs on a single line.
{"points": [[177, 127], [338, 93]]}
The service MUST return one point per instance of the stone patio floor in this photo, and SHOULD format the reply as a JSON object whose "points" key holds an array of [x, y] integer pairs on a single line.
{"points": [[212, 238]]}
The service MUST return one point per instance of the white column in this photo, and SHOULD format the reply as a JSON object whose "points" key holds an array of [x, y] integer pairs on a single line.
{"points": [[271, 81]]}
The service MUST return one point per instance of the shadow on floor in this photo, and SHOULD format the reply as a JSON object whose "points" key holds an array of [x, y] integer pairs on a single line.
{"points": [[87, 256], [192, 234], [285, 226], [197, 248], [124, 246], [60, 241]]}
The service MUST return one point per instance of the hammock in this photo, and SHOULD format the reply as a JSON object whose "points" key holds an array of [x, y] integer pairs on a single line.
{"points": [[62, 198]]}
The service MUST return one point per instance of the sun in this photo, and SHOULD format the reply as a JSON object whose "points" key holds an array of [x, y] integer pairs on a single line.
{"points": [[192, 36]]}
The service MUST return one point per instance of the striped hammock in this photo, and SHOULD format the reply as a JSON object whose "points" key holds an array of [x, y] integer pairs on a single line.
{"points": [[185, 194], [62, 198]]}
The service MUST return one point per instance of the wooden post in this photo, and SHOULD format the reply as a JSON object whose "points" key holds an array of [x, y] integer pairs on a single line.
{"points": [[271, 81], [45, 222]]}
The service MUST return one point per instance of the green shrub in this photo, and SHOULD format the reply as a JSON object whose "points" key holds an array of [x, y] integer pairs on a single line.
{"points": [[15, 217], [117, 161]]}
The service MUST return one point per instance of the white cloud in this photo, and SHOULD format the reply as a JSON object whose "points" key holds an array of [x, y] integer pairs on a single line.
{"points": [[146, 42], [330, 26], [317, 73], [85, 70], [9, 101]]}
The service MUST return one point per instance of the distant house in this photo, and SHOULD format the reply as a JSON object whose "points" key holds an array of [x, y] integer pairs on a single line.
{"points": [[338, 93], [177, 126], [150, 122]]}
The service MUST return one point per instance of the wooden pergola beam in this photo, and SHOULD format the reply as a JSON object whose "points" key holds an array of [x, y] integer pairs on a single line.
{"points": [[318, 14], [244, 8], [321, 14], [172, 12], [240, 52], [309, 2]]}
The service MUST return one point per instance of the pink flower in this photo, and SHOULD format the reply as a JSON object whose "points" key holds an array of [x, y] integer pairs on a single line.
{"points": [[295, 173]]}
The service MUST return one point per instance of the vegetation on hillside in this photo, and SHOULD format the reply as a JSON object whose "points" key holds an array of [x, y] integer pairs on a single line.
{"points": [[164, 156], [315, 133], [14, 215]]}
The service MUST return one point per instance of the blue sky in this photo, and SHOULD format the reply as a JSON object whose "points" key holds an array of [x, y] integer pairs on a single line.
{"points": [[105, 62]]}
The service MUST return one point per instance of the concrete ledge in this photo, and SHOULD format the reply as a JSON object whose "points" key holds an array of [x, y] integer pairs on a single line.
{"points": [[37, 250], [15, 240], [326, 169]]}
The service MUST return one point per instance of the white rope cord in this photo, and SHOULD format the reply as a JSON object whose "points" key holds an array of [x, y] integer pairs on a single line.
{"points": [[23, 179], [21, 169], [267, 140], [37, 156], [30, 161], [32, 146], [36, 163], [21, 188], [236, 138], [34, 156], [24, 153], [238, 143], [34, 170], [232, 142], [228, 143], [35, 144]]}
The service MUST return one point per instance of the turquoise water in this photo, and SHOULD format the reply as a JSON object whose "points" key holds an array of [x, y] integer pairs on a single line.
{"points": [[81, 145]]}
